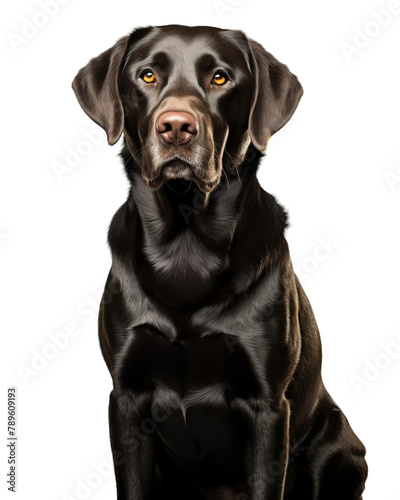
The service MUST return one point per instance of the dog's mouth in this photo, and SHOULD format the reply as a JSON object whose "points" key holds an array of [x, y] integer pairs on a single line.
{"points": [[180, 171]]}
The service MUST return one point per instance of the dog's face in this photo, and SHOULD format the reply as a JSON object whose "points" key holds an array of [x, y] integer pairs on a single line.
{"points": [[183, 91], [189, 100]]}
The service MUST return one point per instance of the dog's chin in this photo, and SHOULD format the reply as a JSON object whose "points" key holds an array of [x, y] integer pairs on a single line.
{"points": [[178, 169], [179, 175]]}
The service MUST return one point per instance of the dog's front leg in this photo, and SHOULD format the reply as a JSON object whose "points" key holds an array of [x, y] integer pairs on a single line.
{"points": [[133, 449], [268, 457]]}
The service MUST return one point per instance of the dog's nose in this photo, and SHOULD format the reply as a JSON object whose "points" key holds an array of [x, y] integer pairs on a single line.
{"points": [[176, 127]]}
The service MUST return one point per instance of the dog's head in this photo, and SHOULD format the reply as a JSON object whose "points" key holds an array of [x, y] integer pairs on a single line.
{"points": [[189, 100]]}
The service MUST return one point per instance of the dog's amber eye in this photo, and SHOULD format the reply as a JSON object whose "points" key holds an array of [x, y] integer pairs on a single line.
{"points": [[149, 77], [219, 78]]}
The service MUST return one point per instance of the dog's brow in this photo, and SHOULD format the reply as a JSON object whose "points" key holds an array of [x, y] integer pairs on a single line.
{"points": [[160, 60], [207, 61]]}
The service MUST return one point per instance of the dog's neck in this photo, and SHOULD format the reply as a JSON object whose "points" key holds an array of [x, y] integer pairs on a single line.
{"points": [[179, 208], [184, 238]]}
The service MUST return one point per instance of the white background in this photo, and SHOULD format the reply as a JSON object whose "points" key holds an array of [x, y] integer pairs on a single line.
{"points": [[335, 167]]}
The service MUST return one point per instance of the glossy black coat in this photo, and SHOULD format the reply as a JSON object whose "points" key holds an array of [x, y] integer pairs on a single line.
{"points": [[211, 342]]}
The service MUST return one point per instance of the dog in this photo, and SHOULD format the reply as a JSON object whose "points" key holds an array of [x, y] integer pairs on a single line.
{"points": [[211, 342]]}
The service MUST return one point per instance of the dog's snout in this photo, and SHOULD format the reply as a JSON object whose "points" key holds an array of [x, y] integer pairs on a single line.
{"points": [[176, 127]]}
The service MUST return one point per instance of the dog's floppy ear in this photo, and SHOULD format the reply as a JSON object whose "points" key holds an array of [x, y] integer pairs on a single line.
{"points": [[96, 88], [276, 95]]}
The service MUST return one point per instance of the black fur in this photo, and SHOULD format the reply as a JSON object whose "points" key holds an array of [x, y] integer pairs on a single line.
{"points": [[211, 342]]}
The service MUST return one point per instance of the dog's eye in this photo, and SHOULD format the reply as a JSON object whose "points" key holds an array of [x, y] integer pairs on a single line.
{"points": [[149, 77], [219, 78]]}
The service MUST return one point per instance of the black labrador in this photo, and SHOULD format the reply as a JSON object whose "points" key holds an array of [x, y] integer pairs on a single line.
{"points": [[211, 342]]}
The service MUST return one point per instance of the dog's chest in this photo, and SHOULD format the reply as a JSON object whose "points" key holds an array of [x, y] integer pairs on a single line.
{"points": [[180, 271], [194, 386], [183, 257], [198, 370]]}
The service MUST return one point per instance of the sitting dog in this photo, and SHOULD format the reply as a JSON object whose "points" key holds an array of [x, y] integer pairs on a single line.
{"points": [[210, 340]]}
